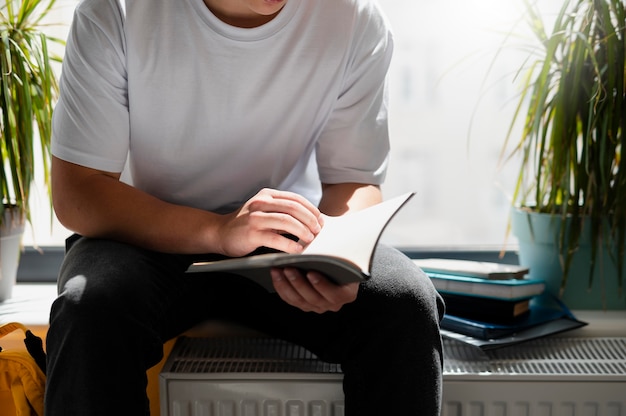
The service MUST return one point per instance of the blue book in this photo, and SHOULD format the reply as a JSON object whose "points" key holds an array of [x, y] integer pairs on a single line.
{"points": [[486, 309], [509, 289], [542, 320]]}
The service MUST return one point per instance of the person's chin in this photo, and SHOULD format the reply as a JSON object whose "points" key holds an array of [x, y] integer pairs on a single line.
{"points": [[273, 6]]}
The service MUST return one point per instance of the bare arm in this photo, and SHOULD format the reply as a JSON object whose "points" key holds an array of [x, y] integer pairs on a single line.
{"points": [[95, 203], [337, 199]]}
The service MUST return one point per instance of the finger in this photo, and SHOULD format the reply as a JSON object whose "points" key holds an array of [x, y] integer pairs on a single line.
{"points": [[277, 241], [283, 223], [305, 290], [299, 199], [290, 289], [314, 293], [335, 295], [284, 289], [279, 231], [291, 204]]}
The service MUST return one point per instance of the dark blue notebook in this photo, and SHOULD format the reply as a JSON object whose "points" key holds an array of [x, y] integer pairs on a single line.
{"points": [[542, 320]]}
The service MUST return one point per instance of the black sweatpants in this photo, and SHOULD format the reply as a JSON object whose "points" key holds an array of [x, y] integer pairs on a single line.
{"points": [[118, 304]]}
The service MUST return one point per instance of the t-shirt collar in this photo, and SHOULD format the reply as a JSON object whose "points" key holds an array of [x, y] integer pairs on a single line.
{"points": [[248, 34]]}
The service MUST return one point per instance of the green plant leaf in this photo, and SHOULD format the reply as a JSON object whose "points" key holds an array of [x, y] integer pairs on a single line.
{"points": [[572, 105], [27, 95]]}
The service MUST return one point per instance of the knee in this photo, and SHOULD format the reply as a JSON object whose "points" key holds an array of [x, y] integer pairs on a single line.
{"points": [[78, 301], [89, 294], [100, 276], [404, 291], [413, 305], [94, 297]]}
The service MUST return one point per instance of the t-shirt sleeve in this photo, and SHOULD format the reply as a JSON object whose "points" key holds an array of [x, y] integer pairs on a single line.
{"points": [[354, 146], [90, 122]]}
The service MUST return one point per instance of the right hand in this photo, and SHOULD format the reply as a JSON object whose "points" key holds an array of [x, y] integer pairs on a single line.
{"points": [[265, 219]]}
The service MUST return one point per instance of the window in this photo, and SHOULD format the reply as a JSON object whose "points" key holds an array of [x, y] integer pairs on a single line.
{"points": [[46, 230], [450, 108], [451, 105]]}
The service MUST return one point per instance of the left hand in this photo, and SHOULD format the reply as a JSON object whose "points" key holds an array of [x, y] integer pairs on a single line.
{"points": [[312, 292]]}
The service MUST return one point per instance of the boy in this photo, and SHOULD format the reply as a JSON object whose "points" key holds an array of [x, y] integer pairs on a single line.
{"points": [[221, 126]]}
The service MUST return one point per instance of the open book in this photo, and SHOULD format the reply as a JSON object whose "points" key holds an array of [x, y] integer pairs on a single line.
{"points": [[342, 250]]}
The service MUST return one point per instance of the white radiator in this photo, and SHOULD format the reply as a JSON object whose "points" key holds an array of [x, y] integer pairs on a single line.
{"points": [[248, 377], [269, 377], [546, 377]]}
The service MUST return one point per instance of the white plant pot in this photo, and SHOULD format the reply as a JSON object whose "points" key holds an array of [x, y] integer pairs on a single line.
{"points": [[11, 233]]}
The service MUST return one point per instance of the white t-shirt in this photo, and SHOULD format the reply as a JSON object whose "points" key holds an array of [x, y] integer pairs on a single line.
{"points": [[204, 114]]}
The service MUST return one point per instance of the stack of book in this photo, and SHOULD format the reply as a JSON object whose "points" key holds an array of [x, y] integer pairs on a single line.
{"points": [[491, 292], [493, 303]]}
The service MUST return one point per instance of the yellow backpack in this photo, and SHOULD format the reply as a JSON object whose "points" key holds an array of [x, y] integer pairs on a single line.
{"points": [[22, 375]]}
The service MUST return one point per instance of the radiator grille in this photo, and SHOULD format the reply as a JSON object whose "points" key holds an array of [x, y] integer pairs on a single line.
{"points": [[245, 355], [547, 356]]}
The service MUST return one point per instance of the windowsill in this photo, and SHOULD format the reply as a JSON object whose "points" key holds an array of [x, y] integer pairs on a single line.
{"points": [[30, 304], [42, 265]]}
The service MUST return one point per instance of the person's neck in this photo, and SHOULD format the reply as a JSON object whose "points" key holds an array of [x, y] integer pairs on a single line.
{"points": [[237, 17]]}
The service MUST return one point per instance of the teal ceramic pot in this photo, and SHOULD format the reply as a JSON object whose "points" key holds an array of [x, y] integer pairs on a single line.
{"points": [[538, 235]]}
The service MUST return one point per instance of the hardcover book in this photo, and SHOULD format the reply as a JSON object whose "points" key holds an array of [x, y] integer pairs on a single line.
{"points": [[501, 289], [542, 320], [486, 309]]}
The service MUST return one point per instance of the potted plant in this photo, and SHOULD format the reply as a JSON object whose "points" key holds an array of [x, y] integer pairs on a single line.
{"points": [[28, 89], [570, 197]]}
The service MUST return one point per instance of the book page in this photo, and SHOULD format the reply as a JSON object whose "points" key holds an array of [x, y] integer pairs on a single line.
{"points": [[354, 236]]}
